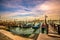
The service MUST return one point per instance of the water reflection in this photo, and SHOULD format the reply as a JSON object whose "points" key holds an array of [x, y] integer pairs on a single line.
{"points": [[26, 29]]}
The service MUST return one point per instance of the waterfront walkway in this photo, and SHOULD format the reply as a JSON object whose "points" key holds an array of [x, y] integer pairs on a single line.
{"points": [[52, 35], [5, 35]]}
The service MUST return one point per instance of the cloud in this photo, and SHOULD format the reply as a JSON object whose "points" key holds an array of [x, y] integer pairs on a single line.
{"points": [[26, 3], [19, 13], [29, 8], [49, 5], [51, 8], [14, 4]]}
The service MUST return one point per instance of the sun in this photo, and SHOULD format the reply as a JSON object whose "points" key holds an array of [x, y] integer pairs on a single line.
{"points": [[45, 7]]}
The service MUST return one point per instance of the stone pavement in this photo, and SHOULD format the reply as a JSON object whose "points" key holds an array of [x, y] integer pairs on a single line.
{"points": [[5, 35], [52, 35], [47, 37]]}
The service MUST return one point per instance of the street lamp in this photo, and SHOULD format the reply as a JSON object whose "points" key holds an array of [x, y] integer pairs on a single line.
{"points": [[46, 19], [46, 23]]}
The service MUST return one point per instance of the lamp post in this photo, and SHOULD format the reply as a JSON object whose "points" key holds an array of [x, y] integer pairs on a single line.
{"points": [[46, 24], [45, 19]]}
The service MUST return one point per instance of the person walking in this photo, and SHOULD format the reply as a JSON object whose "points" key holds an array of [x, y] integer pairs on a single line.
{"points": [[43, 27]]}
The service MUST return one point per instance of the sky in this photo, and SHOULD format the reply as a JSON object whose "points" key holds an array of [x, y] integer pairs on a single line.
{"points": [[29, 9]]}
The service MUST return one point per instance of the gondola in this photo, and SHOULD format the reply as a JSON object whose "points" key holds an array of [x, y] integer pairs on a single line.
{"points": [[26, 30]]}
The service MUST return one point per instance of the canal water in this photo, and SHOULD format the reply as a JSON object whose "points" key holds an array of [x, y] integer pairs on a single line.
{"points": [[26, 31]]}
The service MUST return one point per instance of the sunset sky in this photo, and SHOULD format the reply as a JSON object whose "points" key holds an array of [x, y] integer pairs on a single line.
{"points": [[29, 9]]}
